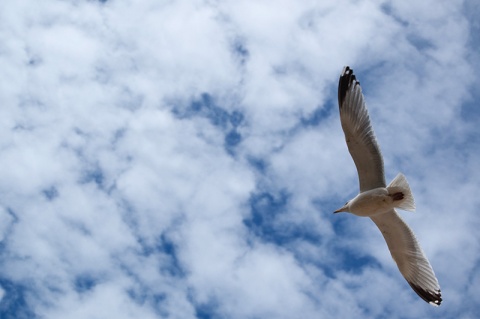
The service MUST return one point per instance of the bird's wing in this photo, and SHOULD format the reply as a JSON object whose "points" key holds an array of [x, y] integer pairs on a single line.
{"points": [[409, 257], [359, 134]]}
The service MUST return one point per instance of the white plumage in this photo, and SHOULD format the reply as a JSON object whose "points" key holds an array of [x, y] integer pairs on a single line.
{"points": [[378, 201]]}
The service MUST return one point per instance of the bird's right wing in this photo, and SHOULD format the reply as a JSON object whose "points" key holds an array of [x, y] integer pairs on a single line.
{"points": [[359, 134], [408, 255]]}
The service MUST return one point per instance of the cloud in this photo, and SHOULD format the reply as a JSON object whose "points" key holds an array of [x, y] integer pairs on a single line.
{"points": [[183, 159]]}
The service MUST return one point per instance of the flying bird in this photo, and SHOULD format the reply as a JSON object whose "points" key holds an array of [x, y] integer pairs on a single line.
{"points": [[377, 200]]}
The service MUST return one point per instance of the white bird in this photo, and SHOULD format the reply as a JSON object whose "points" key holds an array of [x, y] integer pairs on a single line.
{"points": [[378, 201]]}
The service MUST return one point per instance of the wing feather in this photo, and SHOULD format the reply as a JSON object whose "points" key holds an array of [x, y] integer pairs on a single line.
{"points": [[409, 256], [359, 135]]}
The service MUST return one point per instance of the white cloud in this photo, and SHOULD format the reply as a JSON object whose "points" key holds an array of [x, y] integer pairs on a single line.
{"points": [[182, 159]]}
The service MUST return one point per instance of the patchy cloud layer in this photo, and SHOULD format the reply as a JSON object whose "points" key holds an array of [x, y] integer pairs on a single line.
{"points": [[182, 159]]}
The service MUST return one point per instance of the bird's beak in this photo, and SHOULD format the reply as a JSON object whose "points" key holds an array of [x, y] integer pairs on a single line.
{"points": [[343, 209]]}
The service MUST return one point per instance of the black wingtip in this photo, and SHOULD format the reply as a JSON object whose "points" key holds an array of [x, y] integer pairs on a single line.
{"points": [[432, 297], [346, 79]]}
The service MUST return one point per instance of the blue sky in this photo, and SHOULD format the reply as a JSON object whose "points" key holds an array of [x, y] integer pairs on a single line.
{"points": [[182, 159]]}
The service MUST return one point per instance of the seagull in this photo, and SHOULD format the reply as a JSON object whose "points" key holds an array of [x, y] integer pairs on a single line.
{"points": [[377, 200]]}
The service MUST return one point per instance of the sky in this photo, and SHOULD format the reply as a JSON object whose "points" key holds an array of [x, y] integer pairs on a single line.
{"points": [[182, 159]]}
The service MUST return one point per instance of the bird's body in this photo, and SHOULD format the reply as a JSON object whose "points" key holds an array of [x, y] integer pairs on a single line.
{"points": [[381, 200], [370, 203], [378, 201]]}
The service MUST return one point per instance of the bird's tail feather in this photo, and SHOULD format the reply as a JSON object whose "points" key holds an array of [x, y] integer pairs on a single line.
{"points": [[400, 185]]}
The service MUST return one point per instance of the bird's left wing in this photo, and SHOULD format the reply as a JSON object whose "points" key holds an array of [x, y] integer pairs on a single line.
{"points": [[359, 134], [408, 255]]}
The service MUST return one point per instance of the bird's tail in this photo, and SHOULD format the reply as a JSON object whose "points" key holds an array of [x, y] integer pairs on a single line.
{"points": [[401, 193]]}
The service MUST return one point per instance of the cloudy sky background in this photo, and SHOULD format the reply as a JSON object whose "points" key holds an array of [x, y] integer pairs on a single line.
{"points": [[182, 159]]}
